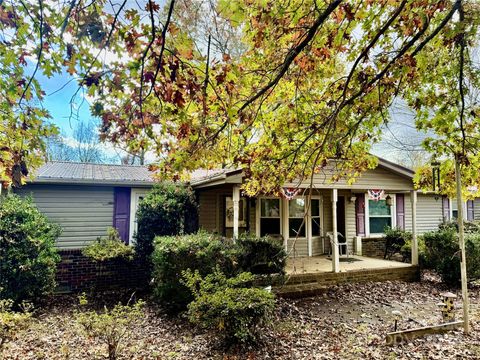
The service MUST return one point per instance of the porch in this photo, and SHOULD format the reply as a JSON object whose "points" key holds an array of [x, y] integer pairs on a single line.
{"points": [[311, 276], [323, 264]]}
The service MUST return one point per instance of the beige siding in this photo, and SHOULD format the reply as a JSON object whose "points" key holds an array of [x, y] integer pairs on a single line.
{"points": [[301, 247], [429, 213], [370, 179], [212, 210], [83, 212]]}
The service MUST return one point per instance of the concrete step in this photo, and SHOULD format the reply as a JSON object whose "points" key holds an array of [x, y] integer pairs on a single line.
{"points": [[296, 291]]}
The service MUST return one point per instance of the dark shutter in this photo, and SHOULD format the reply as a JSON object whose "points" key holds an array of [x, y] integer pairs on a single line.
{"points": [[360, 214], [401, 211], [446, 208], [121, 212], [470, 210]]}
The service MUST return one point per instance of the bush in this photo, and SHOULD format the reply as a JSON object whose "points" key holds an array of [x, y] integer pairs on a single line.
{"points": [[395, 239], [443, 254], [28, 257], [261, 256], [228, 305], [169, 209], [111, 326], [12, 322], [174, 254], [406, 252], [470, 227], [111, 247]]}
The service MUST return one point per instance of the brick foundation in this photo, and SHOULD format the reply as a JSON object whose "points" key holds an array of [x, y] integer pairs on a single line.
{"points": [[373, 247], [77, 272], [304, 285]]}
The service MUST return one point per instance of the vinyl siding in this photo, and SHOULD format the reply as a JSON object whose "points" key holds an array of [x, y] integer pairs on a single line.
{"points": [[429, 213], [370, 179], [476, 209], [83, 212]]}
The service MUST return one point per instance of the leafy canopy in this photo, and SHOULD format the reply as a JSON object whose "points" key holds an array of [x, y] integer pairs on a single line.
{"points": [[276, 88]]}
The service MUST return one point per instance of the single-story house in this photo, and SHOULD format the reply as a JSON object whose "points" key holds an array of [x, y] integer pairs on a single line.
{"points": [[85, 199]]}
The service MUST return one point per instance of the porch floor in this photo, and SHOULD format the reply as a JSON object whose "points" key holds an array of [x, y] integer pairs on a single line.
{"points": [[322, 264]]}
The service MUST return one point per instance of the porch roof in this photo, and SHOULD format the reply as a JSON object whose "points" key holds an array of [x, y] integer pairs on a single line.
{"points": [[235, 176]]}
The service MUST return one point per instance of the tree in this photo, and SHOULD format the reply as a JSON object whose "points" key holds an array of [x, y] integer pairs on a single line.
{"points": [[84, 146], [310, 81]]}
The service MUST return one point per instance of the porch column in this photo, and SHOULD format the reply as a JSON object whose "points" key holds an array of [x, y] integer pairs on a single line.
{"points": [[335, 254], [413, 199], [236, 201]]}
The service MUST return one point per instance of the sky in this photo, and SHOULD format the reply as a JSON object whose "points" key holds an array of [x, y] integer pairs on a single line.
{"points": [[58, 102]]}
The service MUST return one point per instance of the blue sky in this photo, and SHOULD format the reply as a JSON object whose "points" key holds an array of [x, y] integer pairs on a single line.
{"points": [[58, 102]]}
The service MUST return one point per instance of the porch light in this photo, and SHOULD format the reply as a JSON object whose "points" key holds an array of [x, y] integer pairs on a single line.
{"points": [[353, 198], [388, 200]]}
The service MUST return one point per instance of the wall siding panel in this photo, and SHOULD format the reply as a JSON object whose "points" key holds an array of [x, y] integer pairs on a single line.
{"points": [[83, 212]]}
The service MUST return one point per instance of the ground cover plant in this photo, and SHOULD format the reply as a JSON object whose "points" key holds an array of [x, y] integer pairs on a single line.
{"points": [[111, 325], [109, 248], [12, 321]]}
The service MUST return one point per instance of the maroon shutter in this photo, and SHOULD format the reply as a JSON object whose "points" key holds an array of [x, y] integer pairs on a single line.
{"points": [[446, 208], [401, 211], [470, 210], [360, 214], [121, 212]]}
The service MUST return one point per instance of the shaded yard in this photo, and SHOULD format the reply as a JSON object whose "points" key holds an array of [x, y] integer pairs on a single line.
{"points": [[347, 322]]}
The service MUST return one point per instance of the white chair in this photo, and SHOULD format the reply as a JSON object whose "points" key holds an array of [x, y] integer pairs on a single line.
{"points": [[341, 242]]}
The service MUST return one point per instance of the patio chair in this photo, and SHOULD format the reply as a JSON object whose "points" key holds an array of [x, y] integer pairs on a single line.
{"points": [[341, 242]]}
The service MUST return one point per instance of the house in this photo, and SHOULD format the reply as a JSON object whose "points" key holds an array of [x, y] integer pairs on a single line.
{"points": [[359, 212], [85, 199]]}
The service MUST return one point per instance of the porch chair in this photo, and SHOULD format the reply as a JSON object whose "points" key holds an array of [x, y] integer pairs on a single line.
{"points": [[340, 243]]}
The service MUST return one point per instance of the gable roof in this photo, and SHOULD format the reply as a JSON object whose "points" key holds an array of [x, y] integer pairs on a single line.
{"points": [[63, 172], [232, 175]]}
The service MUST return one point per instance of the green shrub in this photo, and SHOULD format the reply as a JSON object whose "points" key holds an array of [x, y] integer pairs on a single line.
{"points": [[169, 209], [442, 253], [175, 254], [261, 256], [470, 227], [111, 326], [229, 305], [406, 252], [12, 322], [28, 257], [108, 248], [395, 239]]}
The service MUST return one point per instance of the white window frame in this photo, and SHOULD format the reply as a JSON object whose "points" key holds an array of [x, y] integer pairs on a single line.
{"points": [[393, 214], [310, 236], [307, 209], [135, 196], [259, 213]]}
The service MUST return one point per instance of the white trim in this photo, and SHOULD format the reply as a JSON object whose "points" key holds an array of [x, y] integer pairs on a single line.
{"points": [[135, 195], [259, 213], [393, 214]]}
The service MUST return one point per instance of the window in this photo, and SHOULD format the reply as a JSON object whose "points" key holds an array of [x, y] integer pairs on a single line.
{"points": [[379, 216], [269, 217], [296, 214], [315, 217]]}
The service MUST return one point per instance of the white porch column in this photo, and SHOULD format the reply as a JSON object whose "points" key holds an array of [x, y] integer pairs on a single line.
{"points": [[335, 253], [413, 199], [236, 201], [308, 222]]}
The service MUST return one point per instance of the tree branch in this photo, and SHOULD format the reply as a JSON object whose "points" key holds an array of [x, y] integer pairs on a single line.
{"points": [[294, 52]]}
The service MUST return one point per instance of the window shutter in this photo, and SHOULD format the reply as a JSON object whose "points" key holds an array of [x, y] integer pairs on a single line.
{"points": [[121, 212], [400, 211], [360, 214], [446, 208], [470, 210]]}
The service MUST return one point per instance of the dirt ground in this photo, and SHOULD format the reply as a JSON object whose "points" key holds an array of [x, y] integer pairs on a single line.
{"points": [[347, 322]]}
